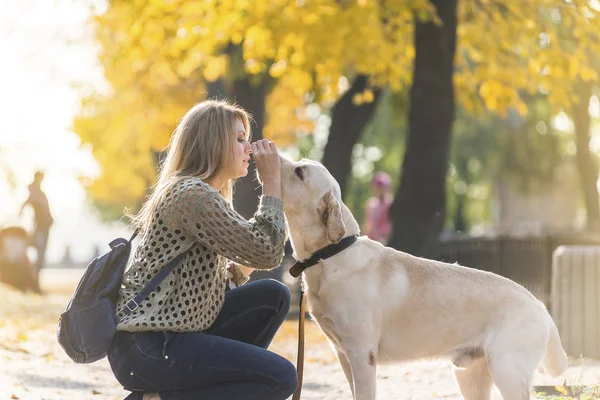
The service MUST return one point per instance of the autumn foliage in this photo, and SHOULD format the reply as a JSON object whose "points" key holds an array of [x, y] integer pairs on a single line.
{"points": [[158, 57]]}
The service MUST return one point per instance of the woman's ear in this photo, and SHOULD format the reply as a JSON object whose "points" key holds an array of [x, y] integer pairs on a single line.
{"points": [[330, 212]]}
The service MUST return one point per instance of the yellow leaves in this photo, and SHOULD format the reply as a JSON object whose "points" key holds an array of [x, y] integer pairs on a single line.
{"points": [[190, 64], [368, 96], [253, 67], [562, 389], [297, 58], [277, 69], [530, 50], [490, 89], [237, 38], [365, 97], [157, 56], [498, 96], [409, 52], [215, 67], [522, 108], [357, 99], [287, 114], [258, 43], [530, 24], [574, 66], [310, 19], [588, 74]]}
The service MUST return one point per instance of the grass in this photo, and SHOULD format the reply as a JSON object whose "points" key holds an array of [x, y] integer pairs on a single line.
{"points": [[570, 393]]}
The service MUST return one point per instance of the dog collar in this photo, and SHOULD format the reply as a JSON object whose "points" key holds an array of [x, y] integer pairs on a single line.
{"points": [[322, 254]]}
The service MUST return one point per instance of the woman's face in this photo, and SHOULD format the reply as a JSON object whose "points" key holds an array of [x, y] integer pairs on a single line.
{"points": [[241, 156]]}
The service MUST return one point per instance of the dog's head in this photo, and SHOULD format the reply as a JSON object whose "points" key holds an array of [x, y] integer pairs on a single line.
{"points": [[314, 210]]}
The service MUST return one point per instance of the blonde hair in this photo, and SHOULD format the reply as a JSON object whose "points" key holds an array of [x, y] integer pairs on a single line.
{"points": [[201, 146]]}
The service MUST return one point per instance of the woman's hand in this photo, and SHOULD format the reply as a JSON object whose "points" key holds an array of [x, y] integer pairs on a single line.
{"points": [[267, 163]]}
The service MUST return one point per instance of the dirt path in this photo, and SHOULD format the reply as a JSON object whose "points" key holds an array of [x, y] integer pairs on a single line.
{"points": [[33, 365]]}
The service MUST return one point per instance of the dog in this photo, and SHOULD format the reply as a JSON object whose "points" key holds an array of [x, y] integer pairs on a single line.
{"points": [[377, 305]]}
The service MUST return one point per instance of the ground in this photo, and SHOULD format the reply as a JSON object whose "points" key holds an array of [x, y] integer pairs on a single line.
{"points": [[34, 366]]}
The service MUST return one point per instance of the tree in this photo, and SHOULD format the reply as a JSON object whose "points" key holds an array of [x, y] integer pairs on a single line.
{"points": [[491, 73], [525, 151], [171, 52], [348, 122], [418, 210], [586, 162], [546, 50]]}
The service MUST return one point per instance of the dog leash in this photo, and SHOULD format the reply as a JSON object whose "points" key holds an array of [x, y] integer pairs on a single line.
{"points": [[296, 270], [300, 358]]}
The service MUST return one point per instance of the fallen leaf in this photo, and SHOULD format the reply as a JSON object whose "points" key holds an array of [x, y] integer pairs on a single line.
{"points": [[563, 389]]}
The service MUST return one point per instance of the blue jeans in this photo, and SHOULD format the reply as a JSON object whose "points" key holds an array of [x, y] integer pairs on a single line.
{"points": [[228, 361]]}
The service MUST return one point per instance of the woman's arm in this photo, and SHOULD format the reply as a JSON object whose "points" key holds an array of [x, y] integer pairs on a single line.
{"points": [[203, 213]]}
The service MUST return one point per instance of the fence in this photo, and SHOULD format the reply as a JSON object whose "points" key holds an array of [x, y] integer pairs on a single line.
{"points": [[526, 260]]}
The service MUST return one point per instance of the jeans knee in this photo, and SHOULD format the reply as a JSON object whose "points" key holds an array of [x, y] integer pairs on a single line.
{"points": [[280, 292], [288, 380]]}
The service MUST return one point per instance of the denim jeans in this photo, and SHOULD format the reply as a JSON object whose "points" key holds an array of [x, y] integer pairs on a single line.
{"points": [[228, 361]]}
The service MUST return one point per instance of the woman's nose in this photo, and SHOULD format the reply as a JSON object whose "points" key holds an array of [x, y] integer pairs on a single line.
{"points": [[248, 148]]}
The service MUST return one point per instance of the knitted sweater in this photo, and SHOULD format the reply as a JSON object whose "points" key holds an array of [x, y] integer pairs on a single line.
{"points": [[194, 218]]}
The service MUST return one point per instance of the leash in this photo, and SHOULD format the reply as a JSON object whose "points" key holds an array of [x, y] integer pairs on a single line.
{"points": [[300, 359]]}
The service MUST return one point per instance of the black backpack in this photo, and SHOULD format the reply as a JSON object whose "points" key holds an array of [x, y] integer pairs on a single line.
{"points": [[87, 327]]}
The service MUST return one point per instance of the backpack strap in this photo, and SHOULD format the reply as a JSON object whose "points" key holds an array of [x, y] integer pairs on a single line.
{"points": [[134, 303], [135, 233]]}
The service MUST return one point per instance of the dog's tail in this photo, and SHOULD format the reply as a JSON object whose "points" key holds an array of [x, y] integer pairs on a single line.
{"points": [[555, 358]]}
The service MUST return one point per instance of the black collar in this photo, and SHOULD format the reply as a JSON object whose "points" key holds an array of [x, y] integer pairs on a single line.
{"points": [[322, 254]]}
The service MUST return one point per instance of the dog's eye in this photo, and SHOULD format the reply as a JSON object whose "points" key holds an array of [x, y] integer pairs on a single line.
{"points": [[300, 172]]}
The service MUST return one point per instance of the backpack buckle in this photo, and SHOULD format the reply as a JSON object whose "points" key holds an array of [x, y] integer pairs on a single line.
{"points": [[132, 305]]}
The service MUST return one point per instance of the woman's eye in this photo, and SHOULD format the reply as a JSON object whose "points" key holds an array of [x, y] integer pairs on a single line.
{"points": [[299, 172], [241, 140]]}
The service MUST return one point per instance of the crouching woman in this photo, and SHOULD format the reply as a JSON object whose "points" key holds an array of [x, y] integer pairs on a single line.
{"points": [[192, 338]]}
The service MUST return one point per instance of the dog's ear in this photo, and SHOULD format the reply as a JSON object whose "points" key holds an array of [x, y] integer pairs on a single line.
{"points": [[330, 212]]}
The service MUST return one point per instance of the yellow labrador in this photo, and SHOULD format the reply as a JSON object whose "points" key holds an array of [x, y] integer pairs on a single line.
{"points": [[378, 305]]}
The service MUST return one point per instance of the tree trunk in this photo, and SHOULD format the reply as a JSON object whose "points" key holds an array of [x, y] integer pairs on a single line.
{"points": [[418, 209], [347, 123], [462, 173], [216, 90], [460, 221], [252, 98], [586, 162]]}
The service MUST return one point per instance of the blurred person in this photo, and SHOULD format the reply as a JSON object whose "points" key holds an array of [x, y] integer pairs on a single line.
{"points": [[377, 221], [42, 220], [204, 332]]}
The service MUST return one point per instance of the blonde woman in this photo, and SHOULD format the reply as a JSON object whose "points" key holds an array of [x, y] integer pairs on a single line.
{"points": [[192, 338]]}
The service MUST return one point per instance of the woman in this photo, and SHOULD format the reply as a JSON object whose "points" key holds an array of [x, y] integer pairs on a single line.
{"points": [[192, 339]]}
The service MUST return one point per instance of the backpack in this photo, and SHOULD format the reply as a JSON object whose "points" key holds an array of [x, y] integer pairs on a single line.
{"points": [[89, 323]]}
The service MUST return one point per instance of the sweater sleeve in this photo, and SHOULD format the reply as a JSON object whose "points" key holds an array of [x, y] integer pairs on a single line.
{"points": [[208, 217]]}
